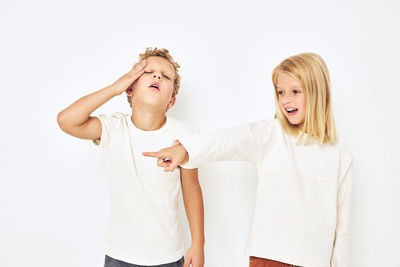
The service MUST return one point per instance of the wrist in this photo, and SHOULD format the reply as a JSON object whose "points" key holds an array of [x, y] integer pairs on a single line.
{"points": [[198, 244]]}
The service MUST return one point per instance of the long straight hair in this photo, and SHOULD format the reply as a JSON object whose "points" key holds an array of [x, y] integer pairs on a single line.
{"points": [[311, 70]]}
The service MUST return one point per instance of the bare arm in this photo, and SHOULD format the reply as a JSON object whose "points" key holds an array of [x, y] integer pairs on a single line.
{"points": [[76, 120], [193, 200]]}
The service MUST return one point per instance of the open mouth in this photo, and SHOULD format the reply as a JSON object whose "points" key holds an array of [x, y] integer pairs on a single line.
{"points": [[291, 111], [155, 85]]}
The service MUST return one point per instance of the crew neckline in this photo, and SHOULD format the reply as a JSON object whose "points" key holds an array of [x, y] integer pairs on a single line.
{"points": [[143, 132]]}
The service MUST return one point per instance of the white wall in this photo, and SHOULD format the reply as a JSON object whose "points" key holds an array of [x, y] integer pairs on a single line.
{"points": [[53, 195]]}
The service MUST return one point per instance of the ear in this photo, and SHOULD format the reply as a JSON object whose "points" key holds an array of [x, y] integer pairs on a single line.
{"points": [[129, 91], [172, 102]]}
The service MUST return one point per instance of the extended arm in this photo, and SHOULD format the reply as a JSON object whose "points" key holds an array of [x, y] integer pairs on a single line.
{"points": [[242, 143]]}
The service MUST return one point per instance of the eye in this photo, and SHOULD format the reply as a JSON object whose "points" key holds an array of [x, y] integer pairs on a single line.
{"points": [[166, 76], [148, 72], [296, 91], [280, 93]]}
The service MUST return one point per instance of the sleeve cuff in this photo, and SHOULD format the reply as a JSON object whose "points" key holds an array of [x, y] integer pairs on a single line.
{"points": [[188, 143], [102, 141]]}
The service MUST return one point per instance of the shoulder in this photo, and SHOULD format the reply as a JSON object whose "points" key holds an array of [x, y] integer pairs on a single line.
{"points": [[345, 154], [115, 120], [261, 132], [262, 125], [338, 153], [262, 128]]}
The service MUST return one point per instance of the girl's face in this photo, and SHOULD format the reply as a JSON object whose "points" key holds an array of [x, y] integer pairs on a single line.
{"points": [[292, 100]]}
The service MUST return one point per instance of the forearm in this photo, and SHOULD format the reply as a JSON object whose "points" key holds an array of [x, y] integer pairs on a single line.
{"points": [[341, 247], [234, 144], [193, 200], [78, 112]]}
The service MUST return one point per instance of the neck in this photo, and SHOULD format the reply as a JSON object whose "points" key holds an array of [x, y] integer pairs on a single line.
{"points": [[147, 119], [300, 126]]}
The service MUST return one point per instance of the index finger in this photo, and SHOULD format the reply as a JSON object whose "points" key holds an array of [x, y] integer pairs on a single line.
{"points": [[139, 66], [186, 263], [151, 154]]}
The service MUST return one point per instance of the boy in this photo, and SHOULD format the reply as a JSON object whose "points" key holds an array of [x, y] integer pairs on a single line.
{"points": [[143, 228]]}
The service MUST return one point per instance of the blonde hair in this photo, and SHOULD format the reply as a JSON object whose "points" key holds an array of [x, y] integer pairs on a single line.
{"points": [[164, 53], [311, 70]]}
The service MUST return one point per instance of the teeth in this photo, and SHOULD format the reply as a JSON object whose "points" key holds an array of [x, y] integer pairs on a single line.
{"points": [[290, 109]]}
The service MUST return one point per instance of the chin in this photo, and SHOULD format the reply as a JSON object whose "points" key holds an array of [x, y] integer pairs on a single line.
{"points": [[293, 123], [150, 100]]}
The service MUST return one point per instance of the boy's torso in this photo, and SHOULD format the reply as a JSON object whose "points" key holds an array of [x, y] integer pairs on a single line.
{"points": [[143, 223]]}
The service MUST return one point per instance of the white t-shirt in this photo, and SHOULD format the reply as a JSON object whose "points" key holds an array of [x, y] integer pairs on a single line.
{"points": [[143, 225], [302, 206]]}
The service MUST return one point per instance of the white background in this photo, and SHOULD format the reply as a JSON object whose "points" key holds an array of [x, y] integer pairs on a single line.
{"points": [[53, 194]]}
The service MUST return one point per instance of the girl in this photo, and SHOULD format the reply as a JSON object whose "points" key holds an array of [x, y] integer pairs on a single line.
{"points": [[301, 214]]}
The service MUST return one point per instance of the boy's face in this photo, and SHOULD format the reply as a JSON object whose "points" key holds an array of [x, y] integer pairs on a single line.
{"points": [[156, 85], [292, 100]]}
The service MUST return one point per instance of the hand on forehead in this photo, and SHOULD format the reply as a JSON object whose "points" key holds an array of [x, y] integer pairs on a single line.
{"points": [[161, 64]]}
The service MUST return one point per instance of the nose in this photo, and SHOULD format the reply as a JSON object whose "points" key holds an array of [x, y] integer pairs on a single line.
{"points": [[286, 99], [157, 76]]}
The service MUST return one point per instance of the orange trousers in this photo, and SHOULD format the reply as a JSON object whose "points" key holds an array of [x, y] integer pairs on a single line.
{"points": [[260, 262]]}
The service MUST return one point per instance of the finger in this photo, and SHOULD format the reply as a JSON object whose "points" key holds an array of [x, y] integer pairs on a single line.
{"points": [[140, 68], [163, 164], [187, 262], [176, 142], [151, 154], [171, 167], [138, 73]]}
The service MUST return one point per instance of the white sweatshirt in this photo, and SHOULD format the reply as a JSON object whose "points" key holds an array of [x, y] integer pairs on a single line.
{"points": [[302, 207]]}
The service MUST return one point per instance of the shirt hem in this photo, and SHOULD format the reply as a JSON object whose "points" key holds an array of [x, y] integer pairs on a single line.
{"points": [[285, 259], [120, 256]]}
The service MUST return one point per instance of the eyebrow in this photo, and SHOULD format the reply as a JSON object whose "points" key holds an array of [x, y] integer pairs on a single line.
{"points": [[293, 87], [169, 74]]}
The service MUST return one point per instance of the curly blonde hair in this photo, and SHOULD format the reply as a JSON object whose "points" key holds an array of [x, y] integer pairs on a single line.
{"points": [[164, 53]]}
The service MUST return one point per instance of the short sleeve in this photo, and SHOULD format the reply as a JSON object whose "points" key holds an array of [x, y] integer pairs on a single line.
{"points": [[110, 124]]}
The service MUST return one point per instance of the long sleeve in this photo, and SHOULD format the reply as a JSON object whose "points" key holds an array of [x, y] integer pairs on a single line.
{"points": [[341, 247], [243, 143]]}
